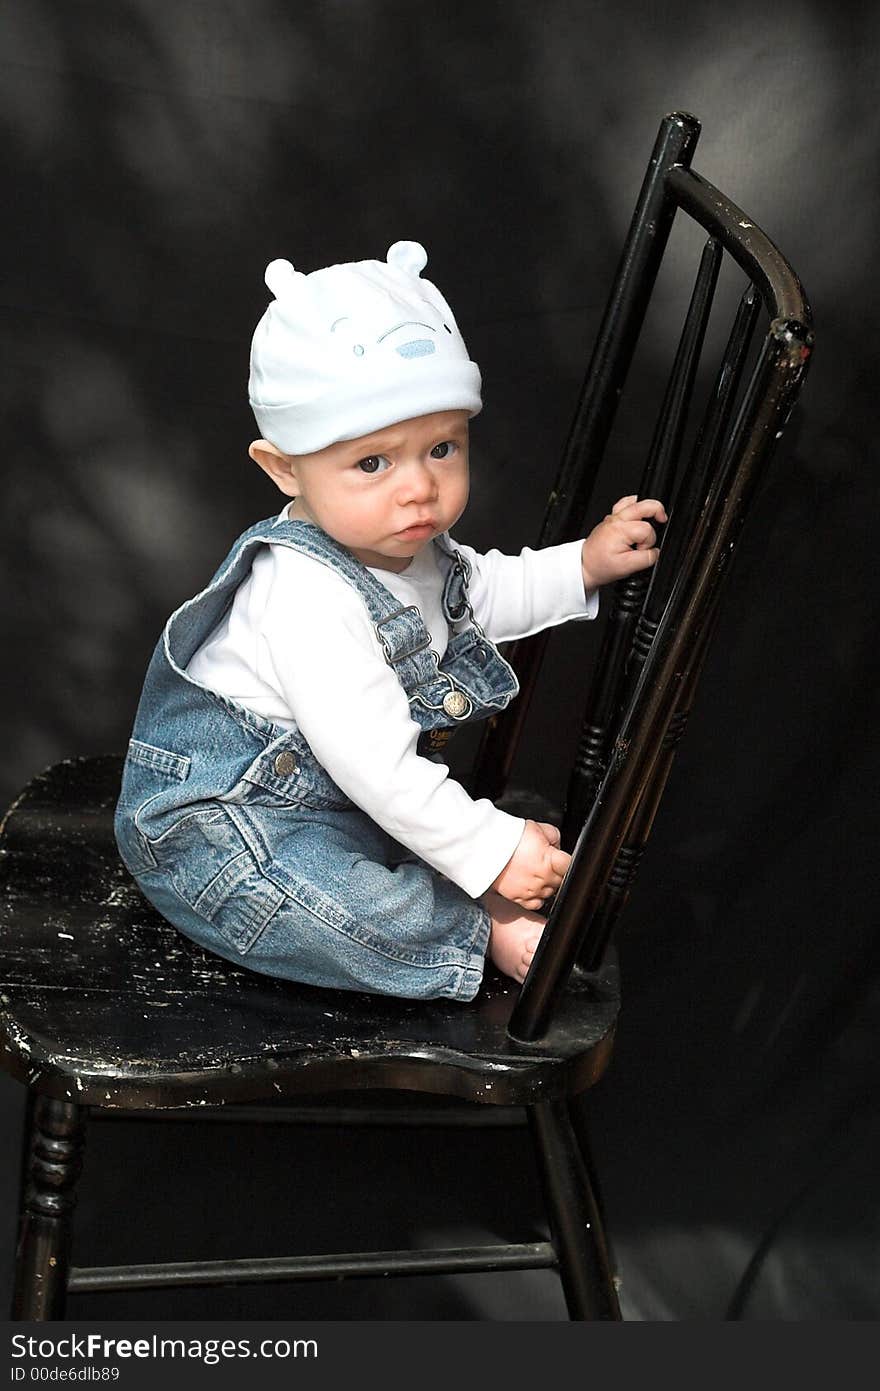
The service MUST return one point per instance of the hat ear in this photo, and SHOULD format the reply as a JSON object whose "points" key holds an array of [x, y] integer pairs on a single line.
{"points": [[407, 256], [282, 279]]}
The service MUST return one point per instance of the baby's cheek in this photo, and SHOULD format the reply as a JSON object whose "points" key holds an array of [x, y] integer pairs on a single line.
{"points": [[460, 494]]}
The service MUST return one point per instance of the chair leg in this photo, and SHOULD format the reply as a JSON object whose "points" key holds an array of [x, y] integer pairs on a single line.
{"points": [[48, 1199], [575, 1224], [580, 1125]]}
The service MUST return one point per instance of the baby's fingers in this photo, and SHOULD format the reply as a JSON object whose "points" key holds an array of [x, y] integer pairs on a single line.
{"points": [[645, 507], [632, 507], [639, 534], [559, 861], [637, 559], [552, 833], [624, 502]]}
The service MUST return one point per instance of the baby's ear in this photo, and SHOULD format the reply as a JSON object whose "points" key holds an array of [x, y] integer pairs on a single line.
{"points": [[278, 466]]}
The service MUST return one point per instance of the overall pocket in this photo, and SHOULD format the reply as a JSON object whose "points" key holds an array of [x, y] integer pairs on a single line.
{"points": [[210, 867], [150, 773]]}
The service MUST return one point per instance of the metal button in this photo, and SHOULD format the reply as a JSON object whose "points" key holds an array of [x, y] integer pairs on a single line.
{"points": [[457, 705], [285, 764], [480, 656]]}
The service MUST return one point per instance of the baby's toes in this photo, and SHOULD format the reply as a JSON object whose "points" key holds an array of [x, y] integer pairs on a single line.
{"points": [[528, 952]]}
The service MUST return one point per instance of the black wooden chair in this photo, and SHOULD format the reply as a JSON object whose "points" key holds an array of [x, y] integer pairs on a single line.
{"points": [[106, 1010]]}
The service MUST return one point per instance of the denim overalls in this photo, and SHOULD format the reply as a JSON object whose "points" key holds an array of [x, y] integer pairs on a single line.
{"points": [[239, 837]]}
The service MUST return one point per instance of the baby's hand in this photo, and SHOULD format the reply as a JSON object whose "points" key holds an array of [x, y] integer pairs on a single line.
{"points": [[536, 868], [608, 552]]}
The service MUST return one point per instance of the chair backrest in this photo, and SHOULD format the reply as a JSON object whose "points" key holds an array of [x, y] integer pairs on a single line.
{"points": [[659, 623]]}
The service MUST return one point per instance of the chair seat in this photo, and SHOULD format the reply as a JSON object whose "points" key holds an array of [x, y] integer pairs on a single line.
{"points": [[197, 1030]]}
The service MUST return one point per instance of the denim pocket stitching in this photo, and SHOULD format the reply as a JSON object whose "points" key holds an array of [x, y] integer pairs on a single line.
{"points": [[176, 765], [199, 815], [303, 792], [253, 911]]}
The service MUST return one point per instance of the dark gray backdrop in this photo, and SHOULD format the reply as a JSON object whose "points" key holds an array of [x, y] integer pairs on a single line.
{"points": [[156, 157]]}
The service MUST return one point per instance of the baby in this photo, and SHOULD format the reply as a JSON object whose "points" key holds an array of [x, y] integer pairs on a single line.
{"points": [[284, 802]]}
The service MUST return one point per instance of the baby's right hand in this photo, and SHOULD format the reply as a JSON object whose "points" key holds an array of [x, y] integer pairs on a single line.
{"points": [[536, 868]]}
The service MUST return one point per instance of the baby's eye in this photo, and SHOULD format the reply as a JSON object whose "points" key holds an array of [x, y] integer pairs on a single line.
{"points": [[444, 450], [374, 463]]}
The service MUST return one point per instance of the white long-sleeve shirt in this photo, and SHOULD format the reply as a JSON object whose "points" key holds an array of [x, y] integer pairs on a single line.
{"points": [[299, 648]]}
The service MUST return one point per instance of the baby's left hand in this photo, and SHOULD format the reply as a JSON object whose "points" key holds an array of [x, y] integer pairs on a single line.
{"points": [[608, 552]]}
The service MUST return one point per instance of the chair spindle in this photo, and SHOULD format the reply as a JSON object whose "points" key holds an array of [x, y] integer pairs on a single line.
{"points": [[593, 419], [628, 596], [690, 497], [637, 747]]}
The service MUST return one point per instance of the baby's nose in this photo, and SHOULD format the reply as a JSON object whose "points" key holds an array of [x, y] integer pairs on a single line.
{"points": [[418, 482]]}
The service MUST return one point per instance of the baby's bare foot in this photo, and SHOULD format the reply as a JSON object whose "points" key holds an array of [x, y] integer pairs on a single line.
{"points": [[514, 935]]}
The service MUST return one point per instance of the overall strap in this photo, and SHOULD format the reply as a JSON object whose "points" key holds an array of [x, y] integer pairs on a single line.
{"points": [[401, 630], [456, 602], [404, 637]]}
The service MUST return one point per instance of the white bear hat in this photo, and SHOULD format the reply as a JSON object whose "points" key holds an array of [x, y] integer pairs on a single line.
{"points": [[352, 348]]}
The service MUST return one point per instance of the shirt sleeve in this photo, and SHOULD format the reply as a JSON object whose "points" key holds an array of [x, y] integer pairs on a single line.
{"points": [[319, 650], [513, 596]]}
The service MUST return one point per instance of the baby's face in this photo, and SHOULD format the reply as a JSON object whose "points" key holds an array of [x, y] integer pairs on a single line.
{"points": [[386, 495]]}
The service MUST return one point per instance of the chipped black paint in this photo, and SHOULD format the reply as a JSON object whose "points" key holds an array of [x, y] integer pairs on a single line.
{"points": [[103, 1003]]}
